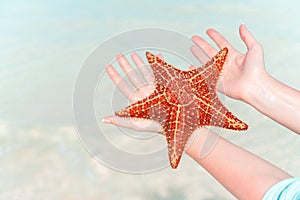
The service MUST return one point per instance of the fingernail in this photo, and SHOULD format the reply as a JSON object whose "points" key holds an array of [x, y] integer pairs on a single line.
{"points": [[119, 55], [133, 54], [109, 69], [195, 37], [106, 121]]}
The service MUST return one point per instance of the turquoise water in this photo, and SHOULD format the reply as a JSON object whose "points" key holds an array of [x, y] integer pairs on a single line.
{"points": [[43, 46]]}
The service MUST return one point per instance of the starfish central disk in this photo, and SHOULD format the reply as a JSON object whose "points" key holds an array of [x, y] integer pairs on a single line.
{"points": [[184, 101]]}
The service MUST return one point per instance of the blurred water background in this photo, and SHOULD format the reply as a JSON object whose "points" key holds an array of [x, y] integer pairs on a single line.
{"points": [[42, 47]]}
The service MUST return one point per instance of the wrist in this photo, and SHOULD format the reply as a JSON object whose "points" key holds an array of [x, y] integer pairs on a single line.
{"points": [[202, 143], [255, 90]]}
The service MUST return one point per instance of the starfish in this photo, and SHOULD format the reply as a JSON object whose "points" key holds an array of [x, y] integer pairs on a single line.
{"points": [[184, 101]]}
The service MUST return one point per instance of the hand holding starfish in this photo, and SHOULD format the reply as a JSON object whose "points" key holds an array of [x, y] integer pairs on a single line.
{"points": [[240, 69], [244, 78], [257, 88], [143, 86], [183, 101]]}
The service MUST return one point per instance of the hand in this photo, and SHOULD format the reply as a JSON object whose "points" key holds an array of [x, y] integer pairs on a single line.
{"points": [[240, 70], [143, 87]]}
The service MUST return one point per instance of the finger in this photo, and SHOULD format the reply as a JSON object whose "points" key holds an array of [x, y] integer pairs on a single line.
{"points": [[160, 56], [192, 67], [122, 86], [247, 37], [135, 124], [199, 54], [146, 73], [218, 38], [207, 48], [132, 75]]}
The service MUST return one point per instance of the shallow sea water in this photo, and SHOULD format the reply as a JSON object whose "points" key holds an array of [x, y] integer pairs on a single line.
{"points": [[43, 46]]}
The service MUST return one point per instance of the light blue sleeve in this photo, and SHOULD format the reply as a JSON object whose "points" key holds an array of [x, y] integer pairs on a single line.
{"points": [[288, 189]]}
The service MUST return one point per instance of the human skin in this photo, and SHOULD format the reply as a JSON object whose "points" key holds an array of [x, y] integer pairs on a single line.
{"points": [[244, 77], [241, 172]]}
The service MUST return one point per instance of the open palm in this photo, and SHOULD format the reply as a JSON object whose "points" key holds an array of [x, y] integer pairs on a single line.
{"points": [[142, 86], [239, 69]]}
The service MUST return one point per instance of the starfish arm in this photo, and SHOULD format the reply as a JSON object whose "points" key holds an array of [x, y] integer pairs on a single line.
{"points": [[173, 130], [182, 122], [222, 117], [184, 101], [220, 58], [141, 108], [211, 70], [153, 107], [162, 71]]}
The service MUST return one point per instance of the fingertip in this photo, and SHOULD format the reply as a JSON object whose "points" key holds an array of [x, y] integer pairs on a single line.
{"points": [[109, 68], [192, 67], [210, 31], [242, 29], [133, 54], [243, 25], [107, 120], [242, 32], [110, 120], [214, 35], [197, 40], [192, 48], [119, 55], [122, 60], [247, 37], [159, 55], [195, 37]]}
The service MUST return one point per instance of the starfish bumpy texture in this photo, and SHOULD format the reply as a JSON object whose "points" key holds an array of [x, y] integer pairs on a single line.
{"points": [[184, 101]]}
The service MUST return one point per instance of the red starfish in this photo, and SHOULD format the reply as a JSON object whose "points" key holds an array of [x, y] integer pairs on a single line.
{"points": [[184, 101]]}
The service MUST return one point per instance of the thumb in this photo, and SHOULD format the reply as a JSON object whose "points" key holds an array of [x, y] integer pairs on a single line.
{"points": [[135, 124], [248, 38]]}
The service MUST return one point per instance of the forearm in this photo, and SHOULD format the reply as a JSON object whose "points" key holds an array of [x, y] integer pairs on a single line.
{"points": [[276, 100], [242, 173]]}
